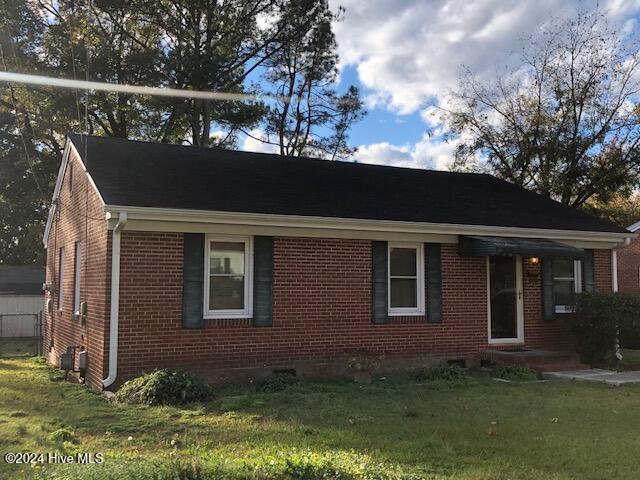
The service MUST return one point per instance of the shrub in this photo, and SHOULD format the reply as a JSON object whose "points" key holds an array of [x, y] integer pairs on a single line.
{"points": [[164, 387], [600, 317], [277, 382], [514, 372], [447, 373], [63, 435], [364, 360]]}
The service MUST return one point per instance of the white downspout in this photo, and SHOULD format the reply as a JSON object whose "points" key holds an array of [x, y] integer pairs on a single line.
{"points": [[614, 271], [115, 299]]}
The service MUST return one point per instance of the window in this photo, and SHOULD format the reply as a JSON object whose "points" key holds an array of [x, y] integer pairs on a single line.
{"points": [[228, 268], [406, 284], [567, 282], [60, 278], [76, 279]]}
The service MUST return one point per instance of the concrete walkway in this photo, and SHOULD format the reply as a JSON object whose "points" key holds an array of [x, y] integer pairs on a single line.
{"points": [[598, 375]]}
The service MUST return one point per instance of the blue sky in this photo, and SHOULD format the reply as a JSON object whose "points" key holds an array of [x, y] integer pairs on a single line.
{"points": [[406, 55]]}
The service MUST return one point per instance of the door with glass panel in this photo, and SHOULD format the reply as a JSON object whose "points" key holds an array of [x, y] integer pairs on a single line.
{"points": [[505, 310]]}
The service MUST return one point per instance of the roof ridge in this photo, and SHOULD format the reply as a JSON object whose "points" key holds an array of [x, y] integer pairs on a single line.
{"points": [[350, 163]]}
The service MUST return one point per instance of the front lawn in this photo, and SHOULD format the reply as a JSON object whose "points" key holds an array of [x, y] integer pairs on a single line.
{"points": [[394, 428]]}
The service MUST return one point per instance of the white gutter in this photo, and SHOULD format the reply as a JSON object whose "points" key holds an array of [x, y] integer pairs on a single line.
{"points": [[115, 299], [299, 221]]}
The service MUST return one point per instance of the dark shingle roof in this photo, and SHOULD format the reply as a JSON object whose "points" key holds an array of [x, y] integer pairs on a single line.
{"points": [[172, 176], [21, 279]]}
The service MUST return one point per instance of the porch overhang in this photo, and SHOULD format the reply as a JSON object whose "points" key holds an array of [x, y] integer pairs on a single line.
{"points": [[483, 246]]}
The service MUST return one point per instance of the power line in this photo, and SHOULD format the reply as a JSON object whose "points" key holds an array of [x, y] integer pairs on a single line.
{"points": [[18, 126], [134, 89]]}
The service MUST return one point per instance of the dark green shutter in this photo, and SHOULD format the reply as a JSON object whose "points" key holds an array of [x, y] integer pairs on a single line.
{"points": [[588, 272], [379, 294], [262, 281], [193, 280], [434, 282], [548, 303]]}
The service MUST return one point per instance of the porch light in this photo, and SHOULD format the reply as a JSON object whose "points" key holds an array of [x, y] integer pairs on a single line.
{"points": [[534, 260]]}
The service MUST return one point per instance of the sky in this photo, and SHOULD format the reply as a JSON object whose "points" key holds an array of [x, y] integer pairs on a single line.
{"points": [[406, 55]]}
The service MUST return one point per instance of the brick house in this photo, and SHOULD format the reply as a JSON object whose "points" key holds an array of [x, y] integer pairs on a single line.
{"points": [[628, 262], [233, 264]]}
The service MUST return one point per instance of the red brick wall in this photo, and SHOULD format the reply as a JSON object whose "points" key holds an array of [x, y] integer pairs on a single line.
{"points": [[602, 268], [322, 310], [79, 217], [629, 268]]}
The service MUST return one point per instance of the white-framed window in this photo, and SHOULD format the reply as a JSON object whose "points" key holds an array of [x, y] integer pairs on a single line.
{"points": [[60, 277], [228, 268], [77, 261], [567, 281], [406, 279]]}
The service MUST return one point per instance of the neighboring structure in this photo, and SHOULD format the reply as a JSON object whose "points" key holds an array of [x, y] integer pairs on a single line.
{"points": [[628, 262], [20, 299], [236, 264]]}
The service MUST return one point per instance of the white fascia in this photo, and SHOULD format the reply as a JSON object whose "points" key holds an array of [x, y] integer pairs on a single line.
{"points": [[329, 223]]}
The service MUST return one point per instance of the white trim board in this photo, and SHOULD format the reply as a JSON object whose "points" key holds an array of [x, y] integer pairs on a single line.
{"points": [[163, 219]]}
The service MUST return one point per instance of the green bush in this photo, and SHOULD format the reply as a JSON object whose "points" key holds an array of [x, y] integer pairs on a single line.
{"points": [[447, 373], [277, 382], [514, 372], [600, 317], [164, 387], [63, 435]]}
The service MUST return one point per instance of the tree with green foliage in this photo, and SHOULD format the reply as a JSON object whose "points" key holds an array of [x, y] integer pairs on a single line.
{"points": [[232, 46], [620, 209], [316, 118], [565, 123]]}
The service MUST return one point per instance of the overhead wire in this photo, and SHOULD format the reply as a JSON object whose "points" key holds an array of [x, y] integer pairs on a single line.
{"points": [[14, 102]]}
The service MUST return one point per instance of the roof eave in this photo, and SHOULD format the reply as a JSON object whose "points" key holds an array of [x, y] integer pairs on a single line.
{"points": [[336, 223], [635, 227]]}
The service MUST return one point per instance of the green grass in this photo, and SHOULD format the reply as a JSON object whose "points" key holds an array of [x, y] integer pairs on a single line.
{"points": [[398, 428]]}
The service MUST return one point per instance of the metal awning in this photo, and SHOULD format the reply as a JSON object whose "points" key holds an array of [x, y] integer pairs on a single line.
{"points": [[479, 246]]}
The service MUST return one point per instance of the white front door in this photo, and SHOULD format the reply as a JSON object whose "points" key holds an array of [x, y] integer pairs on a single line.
{"points": [[504, 299]]}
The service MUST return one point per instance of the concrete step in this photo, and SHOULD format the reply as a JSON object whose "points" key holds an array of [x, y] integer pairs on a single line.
{"points": [[558, 367], [538, 360]]}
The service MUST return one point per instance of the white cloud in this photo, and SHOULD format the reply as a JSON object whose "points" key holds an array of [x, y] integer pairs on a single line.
{"points": [[409, 55], [408, 52], [431, 152], [256, 142], [385, 153]]}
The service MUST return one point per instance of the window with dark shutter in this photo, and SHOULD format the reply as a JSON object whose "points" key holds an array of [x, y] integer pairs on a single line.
{"points": [[434, 282], [589, 272], [379, 293], [263, 281], [192, 280]]}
